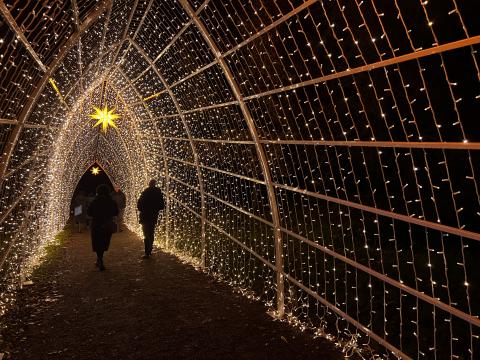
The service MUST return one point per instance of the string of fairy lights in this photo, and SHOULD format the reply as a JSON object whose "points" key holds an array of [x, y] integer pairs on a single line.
{"points": [[358, 117]]}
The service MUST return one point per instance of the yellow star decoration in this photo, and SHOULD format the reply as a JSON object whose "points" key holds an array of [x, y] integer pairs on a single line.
{"points": [[104, 117], [95, 170]]}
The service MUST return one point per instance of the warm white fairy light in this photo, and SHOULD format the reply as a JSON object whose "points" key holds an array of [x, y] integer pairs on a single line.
{"points": [[303, 84]]}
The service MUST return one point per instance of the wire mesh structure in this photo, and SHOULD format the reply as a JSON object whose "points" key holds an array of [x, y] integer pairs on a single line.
{"points": [[322, 156]]}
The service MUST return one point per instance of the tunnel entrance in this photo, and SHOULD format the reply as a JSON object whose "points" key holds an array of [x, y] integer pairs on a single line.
{"points": [[94, 176]]}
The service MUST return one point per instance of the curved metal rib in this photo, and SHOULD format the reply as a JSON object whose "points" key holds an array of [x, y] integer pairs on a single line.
{"points": [[13, 137], [259, 149], [189, 135]]}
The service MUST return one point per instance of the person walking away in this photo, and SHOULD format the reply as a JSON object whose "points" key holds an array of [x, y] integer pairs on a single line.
{"points": [[149, 205], [121, 201], [102, 210]]}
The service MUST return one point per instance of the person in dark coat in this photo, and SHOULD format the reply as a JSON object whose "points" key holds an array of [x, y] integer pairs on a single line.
{"points": [[149, 205], [102, 210]]}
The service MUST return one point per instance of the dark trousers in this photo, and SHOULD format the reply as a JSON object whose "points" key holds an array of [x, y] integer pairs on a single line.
{"points": [[100, 255], [149, 235]]}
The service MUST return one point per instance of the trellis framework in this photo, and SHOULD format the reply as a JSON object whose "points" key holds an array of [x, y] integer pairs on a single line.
{"points": [[322, 155]]}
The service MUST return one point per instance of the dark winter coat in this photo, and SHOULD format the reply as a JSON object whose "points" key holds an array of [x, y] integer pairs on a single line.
{"points": [[149, 204], [102, 210]]}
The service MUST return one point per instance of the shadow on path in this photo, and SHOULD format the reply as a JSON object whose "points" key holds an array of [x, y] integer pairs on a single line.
{"points": [[143, 309]]}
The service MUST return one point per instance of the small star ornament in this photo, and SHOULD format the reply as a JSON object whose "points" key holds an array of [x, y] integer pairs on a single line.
{"points": [[95, 170]]}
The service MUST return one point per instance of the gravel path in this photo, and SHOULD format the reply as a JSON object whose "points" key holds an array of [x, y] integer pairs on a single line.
{"points": [[142, 309]]}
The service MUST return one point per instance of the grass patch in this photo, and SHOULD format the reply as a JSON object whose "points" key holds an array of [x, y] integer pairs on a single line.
{"points": [[53, 250]]}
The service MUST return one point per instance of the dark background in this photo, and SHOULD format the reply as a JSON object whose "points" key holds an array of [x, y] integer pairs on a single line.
{"points": [[89, 182]]}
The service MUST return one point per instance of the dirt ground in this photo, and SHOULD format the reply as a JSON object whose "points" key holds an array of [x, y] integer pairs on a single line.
{"points": [[142, 309]]}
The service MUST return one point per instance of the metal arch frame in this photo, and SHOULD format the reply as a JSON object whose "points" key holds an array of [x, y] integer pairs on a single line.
{"points": [[84, 125], [27, 109], [79, 131], [23, 39], [260, 154], [125, 35], [4, 214], [90, 165], [122, 99], [174, 39], [31, 179], [79, 155], [122, 40], [165, 49], [264, 30], [96, 160], [104, 36], [344, 315], [119, 94], [192, 145], [258, 142], [438, 49], [162, 146], [22, 124], [93, 64], [433, 145], [13, 240], [127, 105], [31, 125], [140, 24], [79, 44]]}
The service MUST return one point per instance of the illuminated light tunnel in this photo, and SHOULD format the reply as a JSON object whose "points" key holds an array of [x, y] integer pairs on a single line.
{"points": [[322, 155]]}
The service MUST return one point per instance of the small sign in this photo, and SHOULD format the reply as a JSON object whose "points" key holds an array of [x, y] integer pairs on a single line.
{"points": [[77, 210]]}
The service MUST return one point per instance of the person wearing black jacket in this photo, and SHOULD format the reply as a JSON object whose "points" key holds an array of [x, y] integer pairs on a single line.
{"points": [[149, 205], [102, 210]]}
